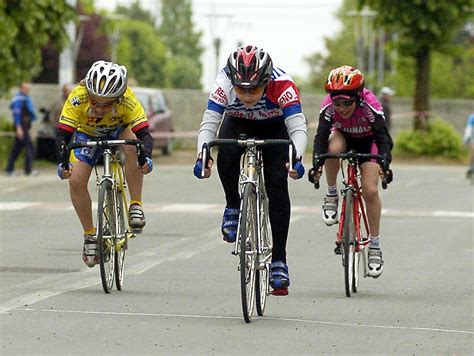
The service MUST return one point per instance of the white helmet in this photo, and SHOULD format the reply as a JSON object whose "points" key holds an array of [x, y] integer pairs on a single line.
{"points": [[388, 91], [106, 80]]}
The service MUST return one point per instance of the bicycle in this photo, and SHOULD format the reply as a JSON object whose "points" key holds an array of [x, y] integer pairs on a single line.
{"points": [[254, 241], [353, 213], [113, 232]]}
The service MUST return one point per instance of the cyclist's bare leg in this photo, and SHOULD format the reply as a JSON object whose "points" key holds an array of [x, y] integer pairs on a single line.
{"points": [[80, 197], [370, 178], [337, 144], [133, 175]]}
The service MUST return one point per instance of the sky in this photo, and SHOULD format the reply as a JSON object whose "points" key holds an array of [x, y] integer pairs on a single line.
{"points": [[288, 30]]}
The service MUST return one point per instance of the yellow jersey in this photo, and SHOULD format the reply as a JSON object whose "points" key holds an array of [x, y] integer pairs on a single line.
{"points": [[77, 115]]}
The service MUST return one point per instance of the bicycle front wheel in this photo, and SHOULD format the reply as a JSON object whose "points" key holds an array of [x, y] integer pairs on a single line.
{"points": [[106, 222], [121, 242], [248, 250], [348, 243], [265, 255]]}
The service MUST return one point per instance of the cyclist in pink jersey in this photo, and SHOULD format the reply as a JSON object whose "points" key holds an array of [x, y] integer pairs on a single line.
{"points": [[351, 118]]}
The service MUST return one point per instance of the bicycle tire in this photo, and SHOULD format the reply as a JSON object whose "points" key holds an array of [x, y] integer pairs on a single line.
{"points": [[348, 243], [105, 235], [358, 251], [248, 251], [121, 242], [355, 276], [262, 278]]}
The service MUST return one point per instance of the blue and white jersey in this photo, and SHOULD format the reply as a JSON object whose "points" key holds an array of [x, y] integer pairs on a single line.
{"points": [[280, 101]]}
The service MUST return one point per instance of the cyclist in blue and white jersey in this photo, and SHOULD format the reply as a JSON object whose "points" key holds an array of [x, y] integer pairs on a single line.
{"points": [[253, 97]]}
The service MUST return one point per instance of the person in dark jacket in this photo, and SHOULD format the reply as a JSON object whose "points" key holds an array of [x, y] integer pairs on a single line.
{"points": [[23, 115]]}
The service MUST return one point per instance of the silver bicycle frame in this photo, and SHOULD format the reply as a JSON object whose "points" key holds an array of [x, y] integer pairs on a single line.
{"points": [[250, 173]]}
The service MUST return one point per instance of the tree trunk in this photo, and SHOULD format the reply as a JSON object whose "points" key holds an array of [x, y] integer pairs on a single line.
{"points": [[422, 90]]}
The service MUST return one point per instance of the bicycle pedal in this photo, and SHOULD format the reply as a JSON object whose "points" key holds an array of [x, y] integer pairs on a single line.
{"points": [[280, 292], [135, 232]]}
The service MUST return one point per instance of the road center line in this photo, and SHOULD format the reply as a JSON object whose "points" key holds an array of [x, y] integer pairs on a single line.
{"points": [[183, 208], [292, 320]]}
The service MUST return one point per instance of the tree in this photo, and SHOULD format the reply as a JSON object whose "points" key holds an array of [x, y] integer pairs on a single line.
{"points": [[422, 27], [135, 12], [25, 28], [143, 52], [183, 43], [93, 45]]}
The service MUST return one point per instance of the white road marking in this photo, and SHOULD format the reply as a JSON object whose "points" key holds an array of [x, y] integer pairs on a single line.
{"points": [[50, 286], [292, 320], [18, 205], [217, 208]]}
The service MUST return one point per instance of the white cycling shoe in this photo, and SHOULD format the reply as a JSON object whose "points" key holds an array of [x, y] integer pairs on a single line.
{"points": [[375, 262], [90, 251], [330, 209]]}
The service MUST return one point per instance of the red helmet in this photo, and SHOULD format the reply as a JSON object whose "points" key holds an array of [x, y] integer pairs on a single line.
{"points": [[249, 66], [344, 80]]}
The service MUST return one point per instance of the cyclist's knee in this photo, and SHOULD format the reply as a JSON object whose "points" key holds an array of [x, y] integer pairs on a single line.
{"points": [[337, 142], [371, 192], [130, 152], [77, 184]]}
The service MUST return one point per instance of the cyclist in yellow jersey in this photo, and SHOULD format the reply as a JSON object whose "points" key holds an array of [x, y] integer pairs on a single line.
{"points": [[102, 105]]}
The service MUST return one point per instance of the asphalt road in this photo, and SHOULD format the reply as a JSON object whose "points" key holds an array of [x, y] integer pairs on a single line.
{"points": [[182, 294]]}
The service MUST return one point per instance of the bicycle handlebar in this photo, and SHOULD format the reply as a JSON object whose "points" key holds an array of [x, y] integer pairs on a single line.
{"points": [[382, 160], [103, 144], [244, 142]]}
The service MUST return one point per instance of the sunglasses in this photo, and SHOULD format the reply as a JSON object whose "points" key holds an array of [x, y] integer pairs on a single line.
{"points": [[253, 91], [102, 104], [346, 103]]}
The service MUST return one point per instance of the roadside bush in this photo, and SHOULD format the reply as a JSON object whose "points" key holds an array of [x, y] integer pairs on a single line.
{"points": [[440, 140], [6, 125]]}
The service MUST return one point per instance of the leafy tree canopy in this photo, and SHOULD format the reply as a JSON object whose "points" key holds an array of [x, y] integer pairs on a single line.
{"points": [[143, 53], [183, 42], [25, 28], [421, 24]]}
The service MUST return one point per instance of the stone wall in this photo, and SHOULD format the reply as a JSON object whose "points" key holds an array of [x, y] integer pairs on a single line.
{"points": [[188, 105]]}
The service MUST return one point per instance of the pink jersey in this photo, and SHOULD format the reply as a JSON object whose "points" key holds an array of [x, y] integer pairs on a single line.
{"points": [[364, 116]]}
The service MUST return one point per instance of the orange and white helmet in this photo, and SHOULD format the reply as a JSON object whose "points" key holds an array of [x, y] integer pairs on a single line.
{"points": [[345, 80]]}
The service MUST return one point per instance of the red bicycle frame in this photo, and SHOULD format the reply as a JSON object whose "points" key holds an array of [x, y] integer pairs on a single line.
{"points": [[352, 181]]}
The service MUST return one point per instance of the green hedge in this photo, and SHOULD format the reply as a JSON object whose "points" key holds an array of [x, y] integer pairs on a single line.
{"points": [[440, 140]]}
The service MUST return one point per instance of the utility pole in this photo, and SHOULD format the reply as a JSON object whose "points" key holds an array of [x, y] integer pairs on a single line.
{"points": [[66, 57], [362, 30], [216, 39], [381, 58]]}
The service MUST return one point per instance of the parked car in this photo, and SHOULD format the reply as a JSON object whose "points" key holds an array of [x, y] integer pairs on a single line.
{"points": [[47, 130], [45, 137], [159, 117]]}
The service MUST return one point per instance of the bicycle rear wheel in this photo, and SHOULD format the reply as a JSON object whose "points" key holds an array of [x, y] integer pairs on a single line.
{"points": [[121, 242], [248, 250], [348, 243], [264, 258], [106, 222]]}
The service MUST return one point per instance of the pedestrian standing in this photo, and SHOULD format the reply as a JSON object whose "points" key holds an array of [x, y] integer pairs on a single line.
{"points": [[385, 99], [23, 112]]}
